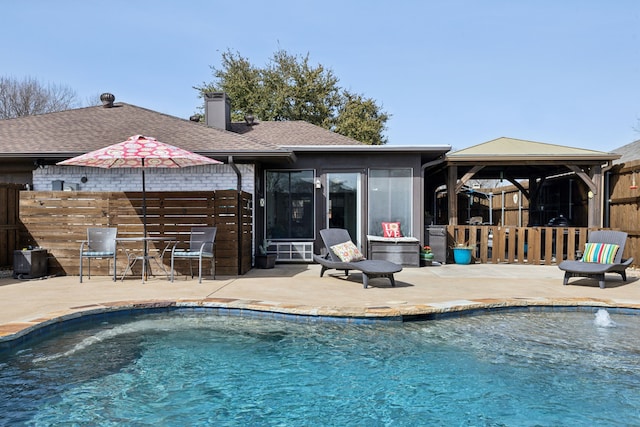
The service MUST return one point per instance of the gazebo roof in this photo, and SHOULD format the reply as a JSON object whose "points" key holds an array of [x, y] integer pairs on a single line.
{"points": [[514, 150]]}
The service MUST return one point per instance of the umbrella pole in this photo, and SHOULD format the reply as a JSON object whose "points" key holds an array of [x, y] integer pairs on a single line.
{"points": [[144, 206], [145, 255]]}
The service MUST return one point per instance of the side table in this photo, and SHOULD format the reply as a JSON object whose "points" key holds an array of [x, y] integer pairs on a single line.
{"points": [[30, 264]]}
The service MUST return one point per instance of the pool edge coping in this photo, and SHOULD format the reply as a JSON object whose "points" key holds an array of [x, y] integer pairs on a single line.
{"points": [[21, 330]]}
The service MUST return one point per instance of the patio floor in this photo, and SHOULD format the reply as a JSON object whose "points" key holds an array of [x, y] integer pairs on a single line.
{"points": [[298, 289]]}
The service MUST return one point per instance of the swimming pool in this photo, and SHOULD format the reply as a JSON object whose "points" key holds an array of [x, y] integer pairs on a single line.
{"points": [[190, 368]]}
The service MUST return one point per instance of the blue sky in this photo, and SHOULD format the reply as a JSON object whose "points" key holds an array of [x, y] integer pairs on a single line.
{"points": [[455, 72]]}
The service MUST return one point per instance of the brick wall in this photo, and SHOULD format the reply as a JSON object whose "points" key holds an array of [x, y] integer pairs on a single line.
{"points": [[196, 178]]}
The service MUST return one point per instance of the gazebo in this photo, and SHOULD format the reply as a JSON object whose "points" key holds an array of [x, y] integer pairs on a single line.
{"points": [[515, 160]]}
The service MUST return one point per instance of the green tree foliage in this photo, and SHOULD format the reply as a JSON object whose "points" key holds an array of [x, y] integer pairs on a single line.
{"points": [[361, 119], [290, 88]]}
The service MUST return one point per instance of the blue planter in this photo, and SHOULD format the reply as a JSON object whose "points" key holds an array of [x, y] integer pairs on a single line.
{"points": [[462, 255]]}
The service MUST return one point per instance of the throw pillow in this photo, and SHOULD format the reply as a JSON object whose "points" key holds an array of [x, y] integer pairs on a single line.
{"points": [[347, 252], [391, 229], [602, 253]]}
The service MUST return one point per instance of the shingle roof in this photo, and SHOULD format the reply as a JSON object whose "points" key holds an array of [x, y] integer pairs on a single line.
{"points": [[85, 129], [292, 133], [628, 152]]}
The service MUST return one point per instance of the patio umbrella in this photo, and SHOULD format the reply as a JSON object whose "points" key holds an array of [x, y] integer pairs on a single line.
{"points": [[140, 152]]}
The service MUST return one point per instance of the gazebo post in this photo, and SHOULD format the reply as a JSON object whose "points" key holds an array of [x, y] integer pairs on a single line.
{"points": [[595, 198], [452, 195]]}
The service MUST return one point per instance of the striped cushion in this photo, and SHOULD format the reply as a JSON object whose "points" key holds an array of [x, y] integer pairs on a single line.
{"points": [[97, 253], [602, 253], [190, 254]]}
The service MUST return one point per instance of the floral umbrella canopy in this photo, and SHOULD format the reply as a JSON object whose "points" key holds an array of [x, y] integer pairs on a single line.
{"points": [[140, 152]]}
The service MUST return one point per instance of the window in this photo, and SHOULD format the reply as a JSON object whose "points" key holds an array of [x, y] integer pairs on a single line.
{"points": [[390, 199], [290, 204]]}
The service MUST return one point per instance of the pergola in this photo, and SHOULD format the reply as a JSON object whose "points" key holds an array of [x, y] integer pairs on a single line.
{"points": [[515, 160]]}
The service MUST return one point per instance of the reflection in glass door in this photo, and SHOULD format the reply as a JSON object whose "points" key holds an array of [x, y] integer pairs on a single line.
{"points": [[343, 203]]}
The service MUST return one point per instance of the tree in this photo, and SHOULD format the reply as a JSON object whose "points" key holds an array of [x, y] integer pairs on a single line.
{"points": [[290, 88], [29, 97], [361, 119]]}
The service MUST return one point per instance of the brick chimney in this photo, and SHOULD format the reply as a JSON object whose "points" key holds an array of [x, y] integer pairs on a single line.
{"points": [[217, 110]]}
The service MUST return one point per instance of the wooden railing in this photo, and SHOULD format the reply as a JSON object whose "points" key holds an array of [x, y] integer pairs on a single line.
{"points": [[519, 245]]}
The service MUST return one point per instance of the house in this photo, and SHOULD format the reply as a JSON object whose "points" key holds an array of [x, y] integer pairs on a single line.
{"points": [[302, 177]]}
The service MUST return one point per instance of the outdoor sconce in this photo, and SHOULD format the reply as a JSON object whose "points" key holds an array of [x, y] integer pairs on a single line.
{"points": [[318, 183], [633, 185]]}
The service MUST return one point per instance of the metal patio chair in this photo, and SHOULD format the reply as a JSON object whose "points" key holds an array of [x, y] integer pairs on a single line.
{"points": [[201, 244], [100, 243]]}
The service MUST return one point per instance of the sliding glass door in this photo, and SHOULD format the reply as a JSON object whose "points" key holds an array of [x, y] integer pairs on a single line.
{"points": [[344, 206], [290, 205]]}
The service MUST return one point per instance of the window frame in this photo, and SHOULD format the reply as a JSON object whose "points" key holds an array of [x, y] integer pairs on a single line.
{"points": [[313, 209], [407, 228]]}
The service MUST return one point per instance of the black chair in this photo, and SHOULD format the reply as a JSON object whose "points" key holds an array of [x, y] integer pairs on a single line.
{"points": [[370, 268], [595, 269]]}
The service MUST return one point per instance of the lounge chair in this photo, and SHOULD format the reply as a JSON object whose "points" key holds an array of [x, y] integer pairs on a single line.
{"points": [[370, 268], [597, 270]]}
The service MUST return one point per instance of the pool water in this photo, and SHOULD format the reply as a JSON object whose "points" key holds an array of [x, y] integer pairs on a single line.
{"points": [[192, 368]]}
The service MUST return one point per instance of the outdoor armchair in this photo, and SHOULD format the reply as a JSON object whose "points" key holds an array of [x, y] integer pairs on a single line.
{"points": [[201, 243], [100, 243]]}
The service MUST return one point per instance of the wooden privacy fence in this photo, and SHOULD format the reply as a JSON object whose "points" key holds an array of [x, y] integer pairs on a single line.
{"points": [[624, 205], [9, 222], [58, 222], [519, 245]]}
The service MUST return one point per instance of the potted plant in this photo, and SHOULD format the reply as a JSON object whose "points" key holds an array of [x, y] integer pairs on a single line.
{"points": [[426, 255], [263, 258], [462, 253]]}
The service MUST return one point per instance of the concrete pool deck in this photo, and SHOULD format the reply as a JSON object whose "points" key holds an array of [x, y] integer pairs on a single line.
{"points": [[26, 305]]}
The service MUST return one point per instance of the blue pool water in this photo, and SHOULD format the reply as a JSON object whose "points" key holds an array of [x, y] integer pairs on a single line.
{"points": [[190, 368]]}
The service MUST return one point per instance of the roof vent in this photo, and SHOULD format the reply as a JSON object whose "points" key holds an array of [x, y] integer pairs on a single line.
{"points": [[195, 118], [249, 119], [107, 100]]}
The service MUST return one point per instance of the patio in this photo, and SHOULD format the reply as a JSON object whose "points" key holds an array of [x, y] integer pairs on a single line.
{"points": [[297, 289]]}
